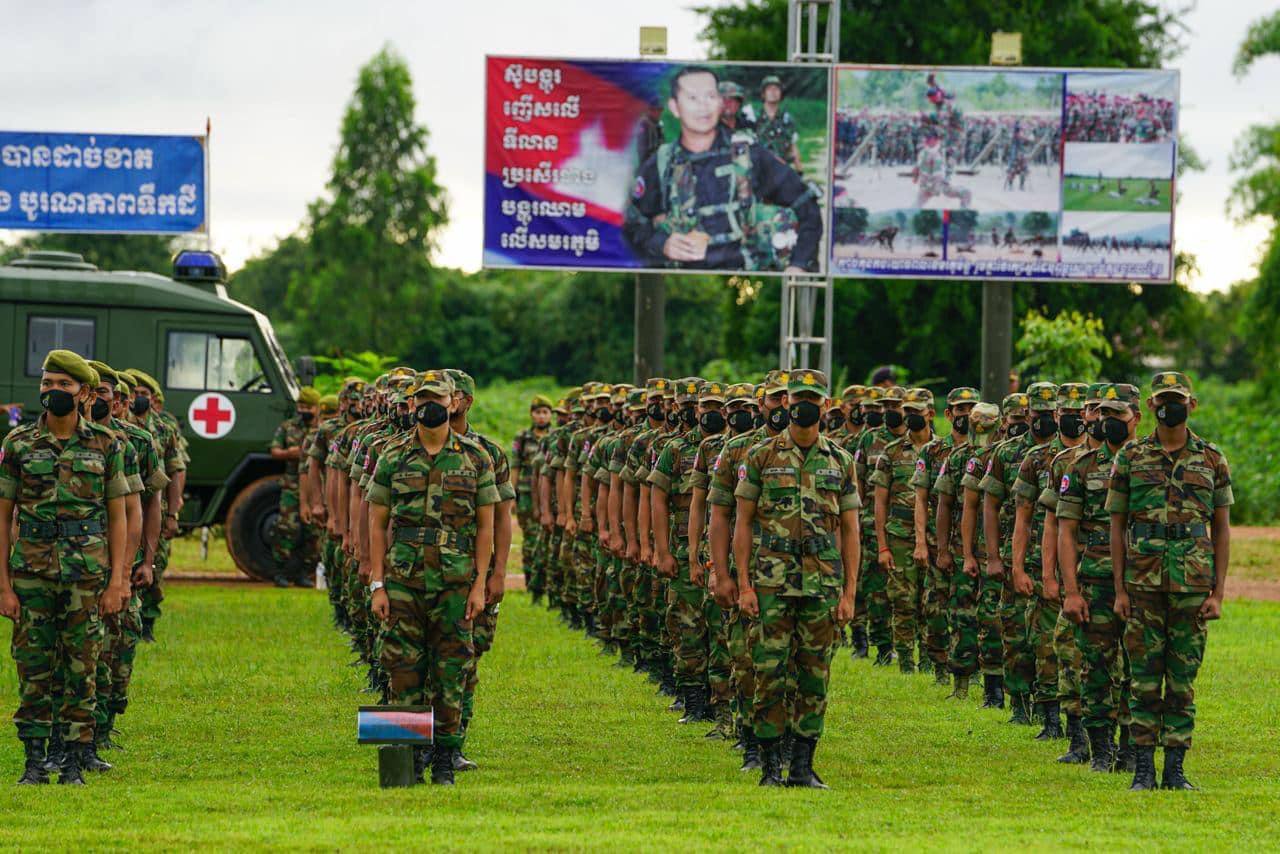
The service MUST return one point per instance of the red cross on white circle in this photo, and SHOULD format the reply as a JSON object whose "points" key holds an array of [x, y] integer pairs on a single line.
{"points": [[211, 415]]}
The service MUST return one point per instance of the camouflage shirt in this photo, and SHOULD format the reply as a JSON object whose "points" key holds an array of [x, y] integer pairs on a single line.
{"points": [[948, 482], [799, 498], [1159, 490], [893, 471], [672, 474], [777, 134], [868, 447], [928, 463], [998, 481], [433, 502], [151, 476], [1033, 478], [523, 450], [724, 474], [291, 433], [49, 480], [974, 470], [1082, 496]]}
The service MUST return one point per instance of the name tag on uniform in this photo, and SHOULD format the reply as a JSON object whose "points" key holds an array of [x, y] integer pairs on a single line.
{"points": [[778, 470], [828, 473]]}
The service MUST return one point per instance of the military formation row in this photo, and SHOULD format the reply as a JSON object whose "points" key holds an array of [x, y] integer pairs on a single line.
{"points": [[94, 488], [710, 534]]}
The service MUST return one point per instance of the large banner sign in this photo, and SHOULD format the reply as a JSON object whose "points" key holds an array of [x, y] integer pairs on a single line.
{"points": [[102, 182], [1004, 174], [655, 165]]}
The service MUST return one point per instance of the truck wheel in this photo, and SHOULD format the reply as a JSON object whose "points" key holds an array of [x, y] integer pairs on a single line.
{"points": [[250, 526]]}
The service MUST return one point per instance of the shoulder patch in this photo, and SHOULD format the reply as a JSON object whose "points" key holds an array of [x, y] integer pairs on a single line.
{"points": [[638, 191], [971, 466], [742, 472], [920, 464], [1066, 484]]}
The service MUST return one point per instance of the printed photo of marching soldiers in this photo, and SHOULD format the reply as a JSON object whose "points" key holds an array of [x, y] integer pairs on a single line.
{"points": [[731, 170], [957, 235], [1103, 176], [979, 140], [1131, 238], [1128, 107]]}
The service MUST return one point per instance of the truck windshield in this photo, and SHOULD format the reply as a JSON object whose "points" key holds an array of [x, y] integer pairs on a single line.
{"points": [[277, 353]]}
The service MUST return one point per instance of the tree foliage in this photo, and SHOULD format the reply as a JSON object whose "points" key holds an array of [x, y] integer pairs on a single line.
{"points": [[1066, 348], [148, 253]]}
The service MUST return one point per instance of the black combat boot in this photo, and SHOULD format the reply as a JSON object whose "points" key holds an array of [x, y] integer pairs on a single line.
{"points": [[103, 734], [667, 684], [281, 580], [1172, 776], [860, 642], [884, 655], [1101, 748], [960, 691], [1021, 706], [1124, 756], [34, 774], [626, 659], [421, 762], [723, 717], [784, 747], [56, 750], [1144, 769], [91, 761], [653, 667], [941, 677], [681, 700], [461, 762], [905, 664], [695, 700], [1052, 721], [770, 763], [442, 765], [926, 665], [69, 774], [801, 775], [148, 630], [750, 751], [1078, 749], [992, 691]]}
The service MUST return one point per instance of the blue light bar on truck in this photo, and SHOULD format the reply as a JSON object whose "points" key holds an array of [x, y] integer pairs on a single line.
{"points": [[200, 266]]}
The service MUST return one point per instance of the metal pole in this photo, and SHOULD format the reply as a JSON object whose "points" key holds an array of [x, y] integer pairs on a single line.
{"points": [[650, 326], [997, 339]]}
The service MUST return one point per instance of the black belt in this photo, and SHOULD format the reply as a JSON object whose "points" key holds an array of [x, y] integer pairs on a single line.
{"points": [[1098, 538], [433, 537], [798, 548], [902, 513], [60, 528], [1173, 531]]}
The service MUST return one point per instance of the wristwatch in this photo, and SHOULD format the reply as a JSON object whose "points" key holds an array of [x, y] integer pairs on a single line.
{"points": [[375, 586]]}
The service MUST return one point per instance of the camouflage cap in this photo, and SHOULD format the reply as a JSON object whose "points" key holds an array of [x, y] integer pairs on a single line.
{"points": [[1015, 403], [352, 389], [917, 398], [771, 80], [1119, 396], [462, 382], [1094, 394], [853, 394], [1072, 395], [1042, 397], [686, 390], [604, 390], [893, 394], [636, 399], [308, 396], [380, 383], [435, 381], [106, 374], [744, 392], [711, 392], [805, 380], [775, 381], [1171, 381], [984, 418], [729, 89], [402, 371], [656, 386], [621, 392], [561, 407], [329, 402], [540, 401], [144, 379], [963, 394], [874, 398]]}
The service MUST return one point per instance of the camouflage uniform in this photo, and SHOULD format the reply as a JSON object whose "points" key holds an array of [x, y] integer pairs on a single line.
{"points": [[873, 581], [523, 450], [641, 605], [291, 543]]}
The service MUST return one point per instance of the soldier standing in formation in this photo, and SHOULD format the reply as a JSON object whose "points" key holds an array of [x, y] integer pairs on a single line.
{"points": [[293, 541]]}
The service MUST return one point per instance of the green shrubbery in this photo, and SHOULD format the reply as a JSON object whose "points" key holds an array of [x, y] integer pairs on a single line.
{"points": [[1242, 424]]}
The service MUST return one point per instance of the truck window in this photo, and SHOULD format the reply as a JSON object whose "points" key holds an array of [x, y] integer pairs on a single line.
{"points": [[205, 360], [57, 333]]}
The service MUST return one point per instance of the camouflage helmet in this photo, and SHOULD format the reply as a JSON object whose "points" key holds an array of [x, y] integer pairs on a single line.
{"points": [[1042, 397], [984, 418]]}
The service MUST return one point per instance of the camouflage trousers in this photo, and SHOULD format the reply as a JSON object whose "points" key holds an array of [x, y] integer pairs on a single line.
{"points": [[906, 599], [600, 571], [333, 575], [1070, 663], [662, 627], [873, 587], [535, 567], [975, 623], [529, 528], [1042, 621], [364, 627], [937, 623], [153, 594], [123, 632], [1104, 686], [687, 627], [741, 641], [584, 565], [719, 659], [427, 646], [990, 645], [58, 631], [620, 579], [1015, 637], [287, 545], [1165, 639], [483, 629], [792, 648], [552, 572]]}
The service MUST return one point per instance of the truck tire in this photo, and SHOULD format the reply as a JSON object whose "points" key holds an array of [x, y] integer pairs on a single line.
{"points": [[250, 527]]}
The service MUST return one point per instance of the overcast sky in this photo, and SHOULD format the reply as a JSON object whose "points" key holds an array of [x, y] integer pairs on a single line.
{"points": [[275, 76]]}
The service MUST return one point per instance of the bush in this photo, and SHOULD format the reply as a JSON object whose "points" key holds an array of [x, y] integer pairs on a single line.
{"points": [[501, 409], [1242, 424]]}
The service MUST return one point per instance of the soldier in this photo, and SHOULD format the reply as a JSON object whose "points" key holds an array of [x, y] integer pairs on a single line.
{"points": [[717, 200], [549, 486], [801, 490], [735, 116], [323, 505], [594, 486], [624, 586], [434, 491], [290, 544], [937, 514], [883, 408], [69, 567], [897, 549], [1034, 476], [1088, 586], [1170, 503], [775, 128], [523, 449]]}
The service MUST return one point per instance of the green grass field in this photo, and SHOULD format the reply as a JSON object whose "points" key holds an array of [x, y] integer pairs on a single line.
{"points": [[1083, 199], [242, 736]]}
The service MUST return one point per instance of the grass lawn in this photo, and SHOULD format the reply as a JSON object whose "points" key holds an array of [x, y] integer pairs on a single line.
{"points": [[242, 735], [1255, 559], [1081, 198]]}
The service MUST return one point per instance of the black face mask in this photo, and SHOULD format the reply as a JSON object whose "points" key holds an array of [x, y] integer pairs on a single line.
{"points": [[1071, 425], [1116, 431], [806, 413], [915, 422], [741, 421], [100, 409], [604, 415], [1018, 428], [711, 422], [757, 420], [875, 419], [307, 417], [1172, 413], [140, 405], [893, 419], [431, 414], [58, 402], [405, 420], [673, 416], [961, 425], [778, 418], [835, 420], [655, 411], [857, 419], [1044, 426], [1095, 430], [689, 416]]}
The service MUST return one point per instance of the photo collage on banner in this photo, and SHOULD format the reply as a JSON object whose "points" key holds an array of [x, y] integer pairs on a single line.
{"points": [[656, 165]]}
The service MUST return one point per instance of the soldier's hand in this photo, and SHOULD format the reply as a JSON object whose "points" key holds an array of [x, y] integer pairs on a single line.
{"points": [[318, 514], [682, 247], [1121, 606], [995, 568], [844, 610], [570, 528], [1022, 583], [495, 589], [646, 555], [633, 552], [113, 599], [475, 603], [144, 575], [920, 554], [9, 605], [1076, 609], [1052, 593], [667, 566], [971, 567], [946, 561], [748, 603], [885, 558], [1212, 608], [695, 572], [380, 605], [364, 571], [170, 526], [724, 589], [546, 520]]}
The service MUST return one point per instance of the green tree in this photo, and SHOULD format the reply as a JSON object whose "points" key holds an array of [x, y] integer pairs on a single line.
{"points": [[926, 223], [1067, 348], [373, 234], [147, 253], [1037, 223]]}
